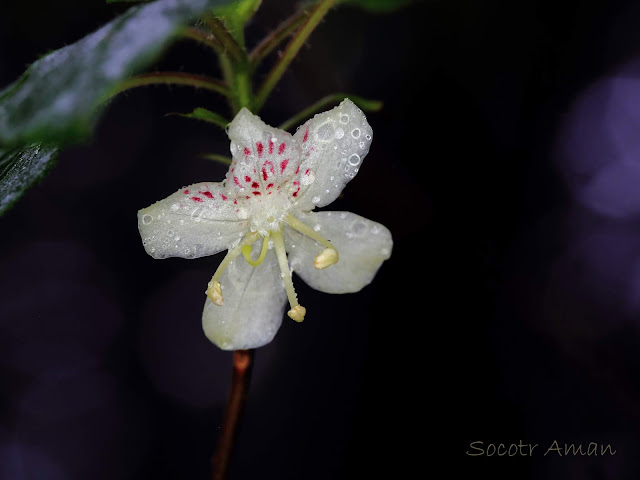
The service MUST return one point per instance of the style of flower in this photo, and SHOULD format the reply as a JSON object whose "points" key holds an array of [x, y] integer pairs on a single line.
{"points": [[261, 212]]}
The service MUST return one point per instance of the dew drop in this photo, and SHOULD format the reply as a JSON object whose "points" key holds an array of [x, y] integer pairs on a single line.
{"points": [[315, 199], [170, 233], [147, 219], [354, 159], [361, 144], [175, 207], [344, 119], [177, 238], [317, 227], [367, 136], [339, 133], [355, 133], [308, 179], [325, 132], [182, 221]]}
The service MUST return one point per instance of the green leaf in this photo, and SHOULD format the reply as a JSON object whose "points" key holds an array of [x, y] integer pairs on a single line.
{"points": [[379, 6], [20, 168], [236, 15], [206, 115], [60, 97]]}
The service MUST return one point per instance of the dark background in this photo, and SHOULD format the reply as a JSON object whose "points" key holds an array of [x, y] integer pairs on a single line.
{"points": [[507, 313]]}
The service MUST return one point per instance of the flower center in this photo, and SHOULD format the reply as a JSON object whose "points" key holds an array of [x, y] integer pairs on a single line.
{"points": [[326, 258], [267, 214]]}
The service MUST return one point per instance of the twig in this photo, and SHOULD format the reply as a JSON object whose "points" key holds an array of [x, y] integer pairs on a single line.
{"points": [[240, 379]]}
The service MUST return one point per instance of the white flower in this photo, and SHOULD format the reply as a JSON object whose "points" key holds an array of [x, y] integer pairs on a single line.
{"points": [[262, 212]]}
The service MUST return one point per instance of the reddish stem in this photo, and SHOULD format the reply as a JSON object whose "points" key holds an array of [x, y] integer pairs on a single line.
{"points": [[240, 379]]}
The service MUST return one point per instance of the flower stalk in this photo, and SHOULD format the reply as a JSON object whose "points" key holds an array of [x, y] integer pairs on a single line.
{"points": [[240, 380]]}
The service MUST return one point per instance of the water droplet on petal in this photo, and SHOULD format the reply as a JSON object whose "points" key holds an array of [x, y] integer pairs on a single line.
{"points": [[147, 219], [344, 119], [317, 227], [354, 159], [308, 179], [339, 133], [355, 133]]}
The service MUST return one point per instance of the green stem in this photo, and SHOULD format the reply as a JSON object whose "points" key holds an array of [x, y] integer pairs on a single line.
{"points": [[276, 37], [363, 103], [231, 47], [224, 160], [204, 38], [234, 63], [292, 49], [170, 78]]}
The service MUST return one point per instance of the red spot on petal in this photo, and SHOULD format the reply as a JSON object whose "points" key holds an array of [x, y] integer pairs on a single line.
{"points": [[270, 146], [255, 185], [269, 186], [247, 178], [235, 202], [297, 169], [306, 135], [259, 147], [186, 192], [247, 152], [196, 199], [256, 193], [295, 194], [206, 194], [307, 171], [264, 173], [283, 165], [237, 181], [281, 148], [223, 197]]}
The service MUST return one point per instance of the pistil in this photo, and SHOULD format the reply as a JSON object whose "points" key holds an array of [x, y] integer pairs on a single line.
{"points": [[246, 252]]}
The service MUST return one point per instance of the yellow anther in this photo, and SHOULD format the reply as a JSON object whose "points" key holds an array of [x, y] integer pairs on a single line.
{"points": [[328, 257], [297, 313], [214, 292]]}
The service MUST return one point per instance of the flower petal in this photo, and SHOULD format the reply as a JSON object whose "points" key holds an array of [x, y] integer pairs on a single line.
{"points": [[265, 159], [362, 246], [253, 308], [195, 221], [334, 143]]}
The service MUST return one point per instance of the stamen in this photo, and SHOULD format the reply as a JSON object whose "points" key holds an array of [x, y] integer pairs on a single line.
{"points": [[297, 311], [214, 289], [328, 256], [246, 252]]}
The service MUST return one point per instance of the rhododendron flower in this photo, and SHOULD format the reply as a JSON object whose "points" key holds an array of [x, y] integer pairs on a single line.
{"points": [[262, 212]]}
